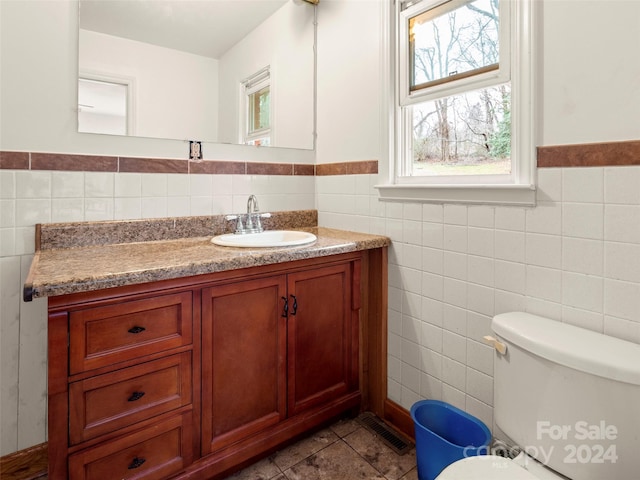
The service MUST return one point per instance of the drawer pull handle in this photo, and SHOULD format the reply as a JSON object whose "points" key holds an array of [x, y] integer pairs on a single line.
{"points": [[136, 329], [295, 305], [136, 396], [285, 309], [137, 462]]}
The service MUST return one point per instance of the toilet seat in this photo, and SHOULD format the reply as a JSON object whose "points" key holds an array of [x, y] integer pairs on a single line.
{"points": [[485, 467], [493, 467]]}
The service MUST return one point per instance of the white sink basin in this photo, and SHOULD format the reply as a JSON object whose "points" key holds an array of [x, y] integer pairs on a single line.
{"points": [[268, 238]]}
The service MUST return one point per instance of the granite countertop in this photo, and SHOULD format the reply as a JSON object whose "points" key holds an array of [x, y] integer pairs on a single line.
{"points": [[87, 256]]}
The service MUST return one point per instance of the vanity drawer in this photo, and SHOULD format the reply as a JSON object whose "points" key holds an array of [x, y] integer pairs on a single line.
{"points": [[153, 453], [115, 400], [104, 335]]}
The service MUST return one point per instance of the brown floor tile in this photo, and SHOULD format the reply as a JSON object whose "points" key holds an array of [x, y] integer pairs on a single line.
{"points": [[304, 448], [412, 475], [379, 455], [344, 427], [337, 461]]}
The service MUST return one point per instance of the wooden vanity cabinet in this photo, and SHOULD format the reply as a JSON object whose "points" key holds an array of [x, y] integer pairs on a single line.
{"points": [[194, 377]]}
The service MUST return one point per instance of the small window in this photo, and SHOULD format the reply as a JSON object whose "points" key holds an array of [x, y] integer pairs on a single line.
{"points": [[256, 94], [463, 96]]}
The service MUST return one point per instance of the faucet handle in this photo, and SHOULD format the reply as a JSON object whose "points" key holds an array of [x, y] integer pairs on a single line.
{"points": [[256, 223], [239, 225]]}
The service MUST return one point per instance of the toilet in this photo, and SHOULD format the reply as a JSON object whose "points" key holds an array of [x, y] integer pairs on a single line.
{"points": [[567, 397]]}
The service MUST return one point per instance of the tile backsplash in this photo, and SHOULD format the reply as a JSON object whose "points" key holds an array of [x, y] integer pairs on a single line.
{"points": [[575, 258], [29, 197]]}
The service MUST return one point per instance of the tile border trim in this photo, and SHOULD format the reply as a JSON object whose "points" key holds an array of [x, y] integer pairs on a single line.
{"points": [[10, 160], [606, 154], [624, 153], [347, 168]]}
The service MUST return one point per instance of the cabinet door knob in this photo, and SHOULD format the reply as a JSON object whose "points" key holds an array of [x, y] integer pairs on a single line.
{"points": [[136, 462], [295, 305], [285, 309], [136, 329], [135, 396]]}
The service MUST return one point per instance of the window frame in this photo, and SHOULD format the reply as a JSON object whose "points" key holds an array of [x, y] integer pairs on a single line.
{"points": [[249, 86], [516, 189]]}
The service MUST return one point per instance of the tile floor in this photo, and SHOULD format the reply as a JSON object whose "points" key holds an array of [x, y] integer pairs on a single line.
{"points": [[344, 451]]}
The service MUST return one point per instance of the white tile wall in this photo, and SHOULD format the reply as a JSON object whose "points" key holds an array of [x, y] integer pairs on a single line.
{"points": [[575, 257], [621, 185], [30, 197]]}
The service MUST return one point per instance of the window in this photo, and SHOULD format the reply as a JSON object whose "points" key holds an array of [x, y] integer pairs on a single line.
{"points": [[256, 97], [463, 102]]}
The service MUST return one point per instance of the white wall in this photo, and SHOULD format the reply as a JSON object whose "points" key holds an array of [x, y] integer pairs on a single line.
{"points": [[38, 102], [175, 93], [574, 258], [591, 91], [349, 81], [285, 38]]}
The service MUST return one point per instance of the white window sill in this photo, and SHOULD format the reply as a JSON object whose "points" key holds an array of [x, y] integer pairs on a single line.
{"points": [[522, 195]]}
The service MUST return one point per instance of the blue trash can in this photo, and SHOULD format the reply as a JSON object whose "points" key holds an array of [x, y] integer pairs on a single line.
{"points": [[445, 434]]}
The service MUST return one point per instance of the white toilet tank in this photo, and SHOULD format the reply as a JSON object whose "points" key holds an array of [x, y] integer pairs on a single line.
{"points": [[569, 397]]}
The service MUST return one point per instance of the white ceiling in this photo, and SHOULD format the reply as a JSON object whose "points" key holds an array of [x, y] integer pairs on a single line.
{"points": [[203, 27]]}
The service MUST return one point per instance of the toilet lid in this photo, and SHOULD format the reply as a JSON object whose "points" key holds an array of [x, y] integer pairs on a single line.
{"points": [[485, 467]]}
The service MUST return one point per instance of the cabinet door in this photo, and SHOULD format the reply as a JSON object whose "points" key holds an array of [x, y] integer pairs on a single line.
{"points": [[243, 360], [322, 331]]}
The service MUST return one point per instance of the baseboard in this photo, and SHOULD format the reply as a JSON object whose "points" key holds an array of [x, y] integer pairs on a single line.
{"points": [[399, 418], [28, 464]]}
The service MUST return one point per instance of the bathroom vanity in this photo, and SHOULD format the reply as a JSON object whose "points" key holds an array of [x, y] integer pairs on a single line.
{"points": [[177, 358]]}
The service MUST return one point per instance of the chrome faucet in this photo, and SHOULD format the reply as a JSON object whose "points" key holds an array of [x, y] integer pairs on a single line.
{"points": [[252, 222], [252, 204]]}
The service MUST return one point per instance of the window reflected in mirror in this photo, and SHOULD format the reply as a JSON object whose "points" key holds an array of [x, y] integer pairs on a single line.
{"points": [[257, 108]]}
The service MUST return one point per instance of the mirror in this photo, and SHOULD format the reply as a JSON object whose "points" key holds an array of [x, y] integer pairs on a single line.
{"points": [[198, 70]]}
